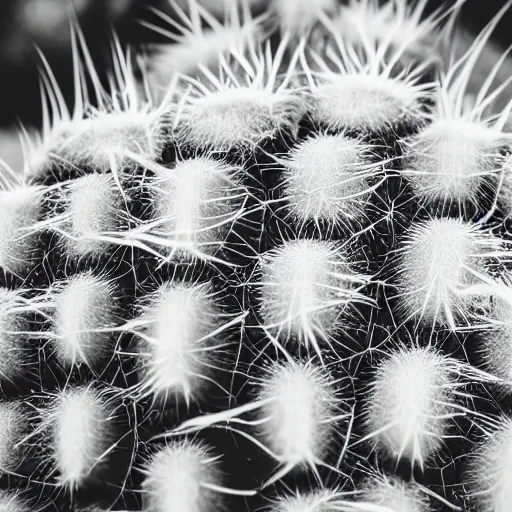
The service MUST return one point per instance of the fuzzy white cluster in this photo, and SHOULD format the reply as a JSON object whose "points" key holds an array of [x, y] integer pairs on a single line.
{"points": [[20, 209], [84, 306], [13, 424], [110, 139], [326, 179], [408, 409], [94, 207], [450, 160], [12, 502], [504, 198], [13, 328], [393, 495], [182, 477], [181, 326], [440, 260], [496, 351], [237, 117], [495, 342], [490, 470], [364, 102], [299, 415], [81, 426], [317, 501], [196, 204], [305, 286]]}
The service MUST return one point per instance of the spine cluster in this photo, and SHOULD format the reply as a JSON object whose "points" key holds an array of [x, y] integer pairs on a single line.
{"points": [[266, 270]]}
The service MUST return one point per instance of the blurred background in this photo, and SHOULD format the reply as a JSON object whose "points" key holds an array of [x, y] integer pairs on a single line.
{"points": [[29, 24]]}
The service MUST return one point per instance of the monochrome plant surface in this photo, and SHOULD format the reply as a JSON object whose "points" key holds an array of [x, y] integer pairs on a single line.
{"points": [[264, 267]]}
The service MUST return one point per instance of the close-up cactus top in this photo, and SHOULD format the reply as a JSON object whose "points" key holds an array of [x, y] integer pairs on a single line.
{"points": [[260, 263]]}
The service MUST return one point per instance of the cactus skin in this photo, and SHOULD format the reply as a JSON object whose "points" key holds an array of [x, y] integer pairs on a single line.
{"points": [[274, 274]]}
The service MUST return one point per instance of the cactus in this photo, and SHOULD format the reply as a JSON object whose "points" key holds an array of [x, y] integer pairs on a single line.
{"points": [[265, 266]]}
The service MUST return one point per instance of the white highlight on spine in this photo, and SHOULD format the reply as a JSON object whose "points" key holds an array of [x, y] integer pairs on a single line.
{"points": [[459, 151], [19, 209], [80, 422], [305, 287], [182, 477], [410, 404], [363, 92], [84, 306], [94, 206]]}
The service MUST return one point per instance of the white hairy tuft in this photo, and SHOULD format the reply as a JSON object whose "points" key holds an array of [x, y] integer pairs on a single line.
{"points": [[299, 413], [363, 102], [362, 91], [305, 287], [440, 260], [108, 139], [94, 207], [249, 101], [495, 342], [182, 477], [451, 159], [327, 179], [13, 424], [196, 204], [317, 501], [489, 475], [13, 330], [108, 129], [81, 426], [299, 16], [19, 209], [181, 327], [393, 495], [84, 306], [408, 409], [12, 502], [236, 118]]}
